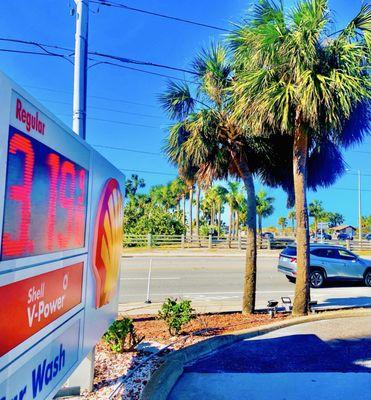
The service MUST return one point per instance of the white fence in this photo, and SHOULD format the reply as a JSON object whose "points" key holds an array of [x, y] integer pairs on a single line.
{"points": [[213, 242]]}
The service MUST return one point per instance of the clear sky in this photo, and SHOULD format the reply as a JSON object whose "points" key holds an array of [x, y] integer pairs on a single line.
{"points": [[127, 100]]}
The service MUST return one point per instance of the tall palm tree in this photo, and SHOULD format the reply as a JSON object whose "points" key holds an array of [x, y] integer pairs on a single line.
{"points": [[292, 217], [221, 193], [316, 211], [206, 136], [264, 207], [291, 78]]}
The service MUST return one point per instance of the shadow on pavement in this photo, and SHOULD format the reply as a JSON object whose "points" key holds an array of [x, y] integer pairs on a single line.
{"points": [[347, 301], [294, 353]]}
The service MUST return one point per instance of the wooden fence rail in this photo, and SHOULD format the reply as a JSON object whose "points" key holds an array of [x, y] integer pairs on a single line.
{"points": [[211, 242]]}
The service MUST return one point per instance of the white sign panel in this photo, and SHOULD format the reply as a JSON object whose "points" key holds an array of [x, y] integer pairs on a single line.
{"points": [[61, 238]]}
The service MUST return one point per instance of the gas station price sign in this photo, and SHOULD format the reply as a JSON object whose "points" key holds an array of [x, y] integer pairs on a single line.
{"points": [[45, 200]]}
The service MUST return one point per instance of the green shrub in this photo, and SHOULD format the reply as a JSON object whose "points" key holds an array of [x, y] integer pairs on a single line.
{"points": [[176, 314], [121, 336]]}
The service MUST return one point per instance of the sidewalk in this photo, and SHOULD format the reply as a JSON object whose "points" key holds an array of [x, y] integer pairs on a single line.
{"points": [[322, 360]]}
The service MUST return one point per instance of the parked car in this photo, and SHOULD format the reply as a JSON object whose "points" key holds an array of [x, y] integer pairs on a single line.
{"points": [[368, 236], [344, 236], [327, 263], [268, 235], [323, 235]]}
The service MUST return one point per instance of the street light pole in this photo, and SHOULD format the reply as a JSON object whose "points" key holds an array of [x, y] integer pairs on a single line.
{"points": [[80, 68], [359, 207]]}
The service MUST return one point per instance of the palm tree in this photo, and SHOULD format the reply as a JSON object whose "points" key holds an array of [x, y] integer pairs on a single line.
{"points": [[316, 211], [232, 197], [282, 222], [291, 78], [264, 207], [221, 198], [206, 137], [292, 217], [133, 184]]}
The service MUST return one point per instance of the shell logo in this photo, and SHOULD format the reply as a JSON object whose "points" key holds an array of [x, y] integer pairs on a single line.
{"points": [[107, 242]]}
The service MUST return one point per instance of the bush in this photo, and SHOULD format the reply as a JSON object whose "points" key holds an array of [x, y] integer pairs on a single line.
{"points": [[121, 336], [176, 314]]}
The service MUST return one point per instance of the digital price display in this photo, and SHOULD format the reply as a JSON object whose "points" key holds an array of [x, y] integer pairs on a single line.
{"points": [[45, 200]]}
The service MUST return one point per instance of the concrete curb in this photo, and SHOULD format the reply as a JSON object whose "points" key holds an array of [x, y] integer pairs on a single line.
{"points": [[163, 379]]}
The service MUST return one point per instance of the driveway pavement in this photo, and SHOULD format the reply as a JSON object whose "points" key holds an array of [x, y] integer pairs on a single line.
{"points": [[323, 360]]}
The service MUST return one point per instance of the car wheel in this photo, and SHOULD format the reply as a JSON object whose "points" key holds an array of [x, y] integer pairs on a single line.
{"points": [[291, 278], [317, 279], [368, 278]]}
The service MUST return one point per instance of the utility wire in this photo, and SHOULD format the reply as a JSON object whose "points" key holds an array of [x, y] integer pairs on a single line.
{"points": [[146, 172], [156, 14], [115, 122], [137, 69], [126, 149], [97, 62], [92, 96], [138, 62], [104, 109]]}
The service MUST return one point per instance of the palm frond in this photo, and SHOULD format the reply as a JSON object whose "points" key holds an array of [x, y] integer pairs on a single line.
{"points": [[177, 100]]}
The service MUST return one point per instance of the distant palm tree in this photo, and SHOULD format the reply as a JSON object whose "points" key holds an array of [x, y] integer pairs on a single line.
{"points": [[233, 199], [264, 207], [292, 217], [133, 184], [282, 222], [292, 79], [316, 211]]}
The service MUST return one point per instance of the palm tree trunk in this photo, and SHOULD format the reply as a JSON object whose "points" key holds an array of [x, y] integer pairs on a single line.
{"points": [[237, 223], [219, 219], [260, 222], [198, 211], [230, 226], [184, 208], [248, 302], [190, 211], [302, 289]]}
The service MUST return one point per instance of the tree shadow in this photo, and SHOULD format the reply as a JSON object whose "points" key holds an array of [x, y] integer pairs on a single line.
{"points": [[294, 353], [347, 301]]}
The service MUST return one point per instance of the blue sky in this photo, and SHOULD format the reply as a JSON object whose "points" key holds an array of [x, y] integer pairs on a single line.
{"points": [[129, 98]]}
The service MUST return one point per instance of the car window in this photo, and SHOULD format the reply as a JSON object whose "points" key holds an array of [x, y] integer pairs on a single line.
{"points": [[289, 251], [346, 255], [328, 253]]}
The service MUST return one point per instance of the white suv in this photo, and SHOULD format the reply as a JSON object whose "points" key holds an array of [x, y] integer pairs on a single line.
{"points": [[327, 263]]}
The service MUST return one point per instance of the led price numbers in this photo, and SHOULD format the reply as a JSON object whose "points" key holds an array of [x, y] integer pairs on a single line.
{"points": [[45, 200]]}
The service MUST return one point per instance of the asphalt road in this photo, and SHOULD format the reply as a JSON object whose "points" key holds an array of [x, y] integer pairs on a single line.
{"points": [[215, 283]]}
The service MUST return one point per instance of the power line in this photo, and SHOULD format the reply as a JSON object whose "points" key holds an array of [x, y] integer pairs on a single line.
{"points": [[126, 60], [156, 14], [105, 109], [92, 96], [126, 149], [146, 172], [115, 122], [139, 62], [138, 70]]}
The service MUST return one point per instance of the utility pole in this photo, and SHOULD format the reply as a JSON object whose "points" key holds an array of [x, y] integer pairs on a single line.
{"points": [[80, 68]]}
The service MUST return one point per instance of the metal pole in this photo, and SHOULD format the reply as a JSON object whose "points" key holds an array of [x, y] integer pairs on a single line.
{"points": [[80, 68], [359, 208], [148, 301]]}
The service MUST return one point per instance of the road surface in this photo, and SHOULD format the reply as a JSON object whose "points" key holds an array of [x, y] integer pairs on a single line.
{"points": [[214, 283]]}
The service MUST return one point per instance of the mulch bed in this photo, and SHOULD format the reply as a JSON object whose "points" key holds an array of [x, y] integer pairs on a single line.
{"points": [[111, 367]]}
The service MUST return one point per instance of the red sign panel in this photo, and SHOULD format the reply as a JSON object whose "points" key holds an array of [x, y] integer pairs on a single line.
{"points": [[29, 305], [45, 200]]}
